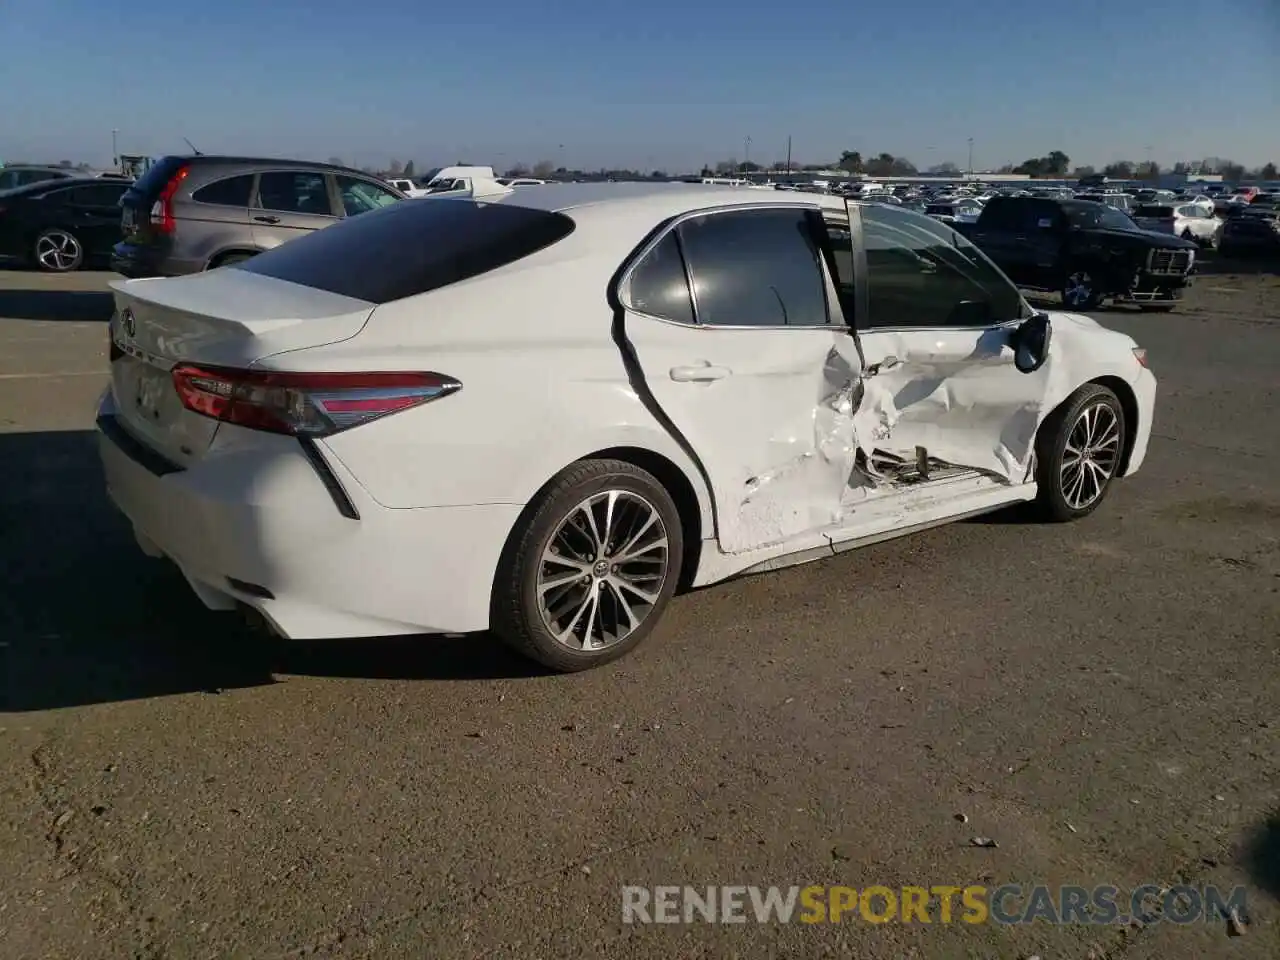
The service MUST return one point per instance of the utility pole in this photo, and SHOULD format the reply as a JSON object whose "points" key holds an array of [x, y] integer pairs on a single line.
{"points": [[746, 153], [115, 152], [971, 158], [788, 154]]}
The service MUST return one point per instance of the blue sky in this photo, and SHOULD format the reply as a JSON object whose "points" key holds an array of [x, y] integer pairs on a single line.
{"points": [[659, 84]]}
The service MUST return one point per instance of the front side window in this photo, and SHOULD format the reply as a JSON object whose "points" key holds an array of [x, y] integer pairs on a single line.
{"points": [[1100, 217], [361, 196], [659, 285], [294, 192], [921, 273], [755, 268]]}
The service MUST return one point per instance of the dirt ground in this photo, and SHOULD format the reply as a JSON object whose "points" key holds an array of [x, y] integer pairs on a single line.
{"points": [[1101, 699]]}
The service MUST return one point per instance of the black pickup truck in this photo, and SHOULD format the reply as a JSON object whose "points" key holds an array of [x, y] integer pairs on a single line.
{"points": [[1086, 251]]}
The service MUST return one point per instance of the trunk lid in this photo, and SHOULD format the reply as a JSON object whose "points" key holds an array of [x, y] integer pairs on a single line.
{"points": [[225, 317]]}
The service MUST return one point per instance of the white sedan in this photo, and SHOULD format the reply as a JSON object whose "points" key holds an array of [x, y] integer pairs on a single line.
{"points": [[542, 413]]}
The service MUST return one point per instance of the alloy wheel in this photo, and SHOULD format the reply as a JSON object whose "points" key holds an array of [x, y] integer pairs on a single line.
{"points": [[1078, 289], [1090, 456], [57, 250], [602, 570]]}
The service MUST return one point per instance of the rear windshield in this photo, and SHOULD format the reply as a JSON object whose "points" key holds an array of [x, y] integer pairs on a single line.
{"points": [[1156, 212], [411, 247], [154, 180]]}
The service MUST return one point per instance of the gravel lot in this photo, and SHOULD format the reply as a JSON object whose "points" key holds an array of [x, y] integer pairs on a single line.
{"points": [[1102, 699]]}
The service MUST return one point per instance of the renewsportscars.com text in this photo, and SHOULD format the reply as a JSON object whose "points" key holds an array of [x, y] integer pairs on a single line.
{"points": [[1007, 904]]}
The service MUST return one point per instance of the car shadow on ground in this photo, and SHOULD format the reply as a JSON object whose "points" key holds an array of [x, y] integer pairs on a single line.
{"points": [[86, 618], [1262, 856], [68, 306], [1016, 515]]}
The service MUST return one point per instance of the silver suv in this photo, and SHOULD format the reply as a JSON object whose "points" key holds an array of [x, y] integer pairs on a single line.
{"points": [[194, 213]]}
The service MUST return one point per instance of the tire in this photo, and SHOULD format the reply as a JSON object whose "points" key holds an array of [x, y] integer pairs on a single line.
{"points": [[57, 251], [547, 528], [1080, 289], [1058, 499]]}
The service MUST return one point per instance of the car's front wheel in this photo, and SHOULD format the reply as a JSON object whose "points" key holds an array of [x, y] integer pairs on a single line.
{"points": [[58, 251], [592, 565], [1078, 451], [1080, 290]]}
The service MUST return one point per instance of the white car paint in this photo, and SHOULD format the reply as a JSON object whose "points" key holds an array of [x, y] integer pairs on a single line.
{"points": [[1189, 220], [764, 425]]}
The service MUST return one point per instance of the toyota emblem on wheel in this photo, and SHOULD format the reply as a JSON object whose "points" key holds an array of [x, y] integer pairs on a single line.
{"points": [[128, 324]]}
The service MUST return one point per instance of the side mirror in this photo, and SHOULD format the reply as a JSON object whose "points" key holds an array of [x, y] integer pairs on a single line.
{"points": [[1030, 343]]}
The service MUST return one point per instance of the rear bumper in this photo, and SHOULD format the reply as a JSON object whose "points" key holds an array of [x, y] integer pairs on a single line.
{"points": [[257, 524], [138, 262]]}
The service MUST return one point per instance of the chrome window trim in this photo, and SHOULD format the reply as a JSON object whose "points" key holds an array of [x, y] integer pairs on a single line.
{"points": [[624, 282]]}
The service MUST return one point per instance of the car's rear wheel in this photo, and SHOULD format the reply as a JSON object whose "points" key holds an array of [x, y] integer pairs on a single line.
{"points": [[590, 568], [1080, 290], [58, 251], [1078, 451]]}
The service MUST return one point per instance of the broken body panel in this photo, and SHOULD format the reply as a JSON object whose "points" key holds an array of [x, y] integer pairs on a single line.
{"points": [[834, 435]]}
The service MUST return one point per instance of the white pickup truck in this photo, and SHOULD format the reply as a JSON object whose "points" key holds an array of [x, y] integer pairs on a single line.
{"points": [[442, 180]]}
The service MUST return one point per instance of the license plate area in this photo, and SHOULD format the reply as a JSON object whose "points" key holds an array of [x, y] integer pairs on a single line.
{"points": [[148, 388]]}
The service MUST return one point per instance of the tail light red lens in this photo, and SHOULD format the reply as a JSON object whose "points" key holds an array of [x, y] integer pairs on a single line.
{"points": [[162, 210], [304, 404]]}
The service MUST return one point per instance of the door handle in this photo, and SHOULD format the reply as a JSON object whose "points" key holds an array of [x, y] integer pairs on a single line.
{"points": [[699, 373], [267, 219]]}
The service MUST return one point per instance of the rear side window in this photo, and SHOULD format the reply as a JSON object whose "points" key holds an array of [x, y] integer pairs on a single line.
{"points": [[1154, 210], [405, 249], [94, 195], [659, 285], [299, 191], [229, 192], [755, 268]]}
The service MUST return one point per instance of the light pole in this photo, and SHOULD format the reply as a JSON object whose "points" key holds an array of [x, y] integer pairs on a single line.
{"points": [[971, 157], [115, 153], [746, 153]]}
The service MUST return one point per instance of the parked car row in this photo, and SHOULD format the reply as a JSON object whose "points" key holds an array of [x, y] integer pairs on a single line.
{"points": [[186, 214], [1086, 251]]}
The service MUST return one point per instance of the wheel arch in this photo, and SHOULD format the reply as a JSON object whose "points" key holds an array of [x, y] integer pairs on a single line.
{"points": [[218, 258], [682, 492], [1129, 406]]}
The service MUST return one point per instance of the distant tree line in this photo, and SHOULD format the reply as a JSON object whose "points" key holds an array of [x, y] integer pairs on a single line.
{"points": [[1054, 165]]}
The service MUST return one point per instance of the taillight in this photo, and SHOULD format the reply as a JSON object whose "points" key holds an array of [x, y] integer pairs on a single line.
{"points": [[304, 404], [1140, 355], [162, 209]]}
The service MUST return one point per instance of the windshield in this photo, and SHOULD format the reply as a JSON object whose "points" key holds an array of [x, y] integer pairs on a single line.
{"points": [[427, 177], [1100, 217]]}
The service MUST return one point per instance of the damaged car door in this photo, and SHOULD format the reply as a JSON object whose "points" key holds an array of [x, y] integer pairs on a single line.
{"points": [[939, 326], [735, 326]]}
